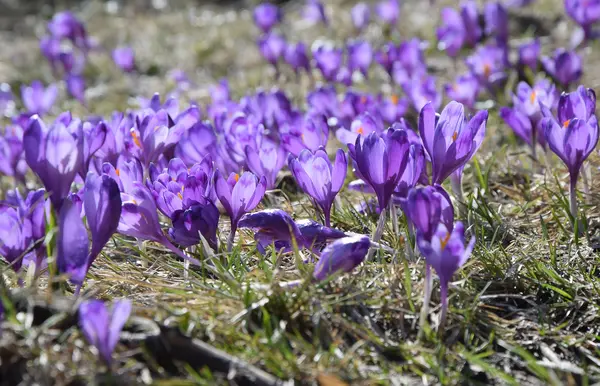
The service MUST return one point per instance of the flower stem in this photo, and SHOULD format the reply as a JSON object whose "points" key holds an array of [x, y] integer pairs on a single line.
{"points": [[586, 182], [378, 233], [426, 298], [573, 199], [444, 301], [231, 237]]}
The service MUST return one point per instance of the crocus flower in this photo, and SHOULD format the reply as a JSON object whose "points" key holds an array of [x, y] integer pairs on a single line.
{"points": [[360, 16], [496, 22], [272, 226], [575, 135], [392, 108], [196, 143], [525, 115], [328, 60], [124, 58], [380, 161], [470, 18], [16, 236], [342, 255], [318, 178], [459, 29], [446, 252], [585, 13], [529, 53], [421, 89], [564, 66], [314, 11], [426, 208], [272, 47], [76, 87], [360, 56], [55, 155], [364, 124], [388, 11], [413, 173], [64, 25], [306, 132], [267, 161], [239, 195], [266, 15], [315, 235], [102, 328], [12, 162], [38, 99], [296, 57], [72, 242], [464, 90], [451, 141], [410, 62], [387, 56], [488, 64]]}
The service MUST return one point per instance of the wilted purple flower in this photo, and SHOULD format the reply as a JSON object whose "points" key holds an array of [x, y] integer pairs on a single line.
{"points": [[328, 60], [342, 255], [451, 141], [315, 235], [421, 89], [266, 15], [364, 124], [525, 116], [488, 64], [319, 178], [380, 161], [575, 135], [101, 328], [360, 16], [76, 87], [529, 53], [272, 47], [446, 252], [266, 161], [38, 99], [496, 22], [464, 90], [54, 154], [585, 13], [388, 11], [124, 58], [314, 11], [296, 57], [564, 66], [309, 131], [360, 56], [239, 195]]}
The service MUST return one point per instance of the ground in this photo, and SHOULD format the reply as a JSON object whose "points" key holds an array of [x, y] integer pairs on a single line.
{"points": [[524, 310]]}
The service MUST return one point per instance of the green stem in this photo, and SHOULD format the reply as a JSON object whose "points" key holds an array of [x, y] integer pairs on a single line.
{"points": [[378, 233]]}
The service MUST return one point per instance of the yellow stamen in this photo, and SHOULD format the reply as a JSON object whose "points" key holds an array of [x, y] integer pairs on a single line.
{"points": [[454, 136], [134, 201], [360, 130], [566, 123], [118, 172], [532, 97], [444, 241], [180, 196], [487, 70], [394, 99], [237, 177], [136, 138]]}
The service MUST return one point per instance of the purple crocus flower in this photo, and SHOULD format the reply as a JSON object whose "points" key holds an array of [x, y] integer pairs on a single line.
{"points": [[446, 252], [318, 178], [314, 11], [470, 18], [296, 57], [464, 90], [266, 15], [196, 143], [360, 16], [426, 208], [459, 29], [54, 154], [410, 62], [342, 255], [450, 141], [12, 162], [272, 47], [380, 161], [525, 116], [388, 11], [76, 87], [102, 328], [38, 99], [360, 56], [124, 58], [575, 135], [272, 226], [564, 66], [421, 89], [585, 13], [64, 25], [488, 64], [239, 195], [72, 242], [496, 22], [364, 124], [328, 60], [392, 108], [529, 53], [414, 172], [306, 132], [267, 161]]}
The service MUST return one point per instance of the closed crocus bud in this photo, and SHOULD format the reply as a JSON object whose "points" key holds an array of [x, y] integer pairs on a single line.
{"points": [[267, 161], [413, 173], [102, 327], [124, 58], [529, 53], [580, 104], [15, 233], [426, 207], [360, 56], [360, 16], [451, 34], [296, 57], [266, 15], [272, 47], [585, 13], [72, 243], [564, 66], [496, 22], [318, 178], [470, 18], [76, 87], [328, 60], [94, 136], [464, 90], [38, 99], [380, 161], [388, 11], [314, 12], [451, 141], [343, 255]]}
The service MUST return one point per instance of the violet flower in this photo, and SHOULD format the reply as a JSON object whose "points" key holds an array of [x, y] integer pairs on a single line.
{"points": [[12, 162], [272, 226], [76, 87], [410, 62], [575, 135], [328, 61], [124, 58], [414, 172], [314, 11], [266, 161], [38, 99], [422, 89], [102, 328], [266, 15], [565, 67], [72, 242], [342, 255], [318, 178], [380, 161], [239, 195], [360, 56], [529, 54], [488, 64], [310, 131], [426, 208], [296, 57], [459, 29], [464, 90], [496, 22], [363, 125], [450, 141], [196, 143], [585, 13], [360, 16], [392, 108], [446, 252], [272, 47], [64, 25], [388, 11]]}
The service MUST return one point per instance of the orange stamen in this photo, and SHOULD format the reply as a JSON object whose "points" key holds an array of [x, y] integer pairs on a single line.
{"points": [[136, 138], [566, 123], [118, 172], [363, 99], [487, 70], [444, 241], [532, 97], [237, 177], [360, 130], [180, 196], [454, 136], [394, 99]]}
